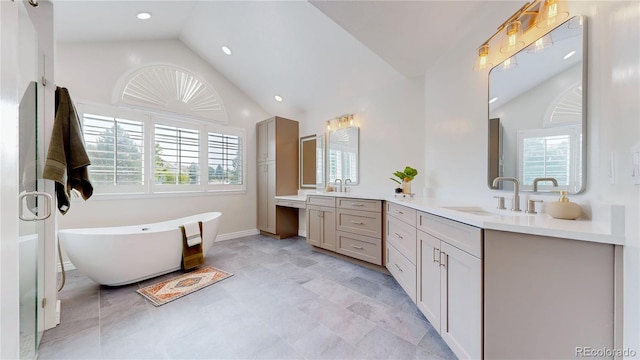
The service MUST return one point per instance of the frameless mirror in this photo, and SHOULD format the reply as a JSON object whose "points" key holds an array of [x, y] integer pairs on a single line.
{"points": [[537, 112], [342, 155]]}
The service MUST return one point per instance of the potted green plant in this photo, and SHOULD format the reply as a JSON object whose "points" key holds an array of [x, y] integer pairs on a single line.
{"points": [[405, 177]]}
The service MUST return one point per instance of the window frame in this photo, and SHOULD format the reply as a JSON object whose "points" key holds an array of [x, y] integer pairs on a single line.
{"points": [[149, 121]]}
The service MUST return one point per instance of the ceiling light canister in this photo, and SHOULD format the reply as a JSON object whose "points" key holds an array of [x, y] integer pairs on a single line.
{"points": [[278, 98], [144, 15], [226, 50]]}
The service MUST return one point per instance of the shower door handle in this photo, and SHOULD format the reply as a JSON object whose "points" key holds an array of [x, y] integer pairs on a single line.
{"points": [[35, 194]]}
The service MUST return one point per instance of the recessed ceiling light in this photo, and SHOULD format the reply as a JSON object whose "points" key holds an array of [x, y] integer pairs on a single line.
{"points": [[144, 16], [226, 50], [569, 55], [278, 98], [493, 100]]}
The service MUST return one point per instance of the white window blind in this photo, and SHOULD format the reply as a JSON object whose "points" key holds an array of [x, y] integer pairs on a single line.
{"points": [[225, 159], [552, 152], [177, 155], [116, 149]]}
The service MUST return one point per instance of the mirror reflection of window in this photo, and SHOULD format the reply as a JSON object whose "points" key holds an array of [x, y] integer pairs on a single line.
{"points": [[343, 155]]}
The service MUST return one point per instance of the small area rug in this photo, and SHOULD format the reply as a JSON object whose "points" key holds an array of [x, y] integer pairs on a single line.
{"points": [[179, 286]]}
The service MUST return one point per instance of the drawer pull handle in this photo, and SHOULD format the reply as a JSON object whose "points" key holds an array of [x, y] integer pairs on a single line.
{"points": [[398, 236], [436, 255], [399, 212], [442, 263], [357, 222], [398, 267], [357, 204], [357, 247]]}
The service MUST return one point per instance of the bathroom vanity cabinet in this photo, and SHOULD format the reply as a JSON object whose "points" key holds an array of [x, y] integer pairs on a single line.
{"points": [[348, 226], [450, 281], [277, 174], [321, 222], [546, 297]]}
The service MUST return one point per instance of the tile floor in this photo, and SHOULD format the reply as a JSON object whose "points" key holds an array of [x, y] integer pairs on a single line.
{"points": [[285, 301]]}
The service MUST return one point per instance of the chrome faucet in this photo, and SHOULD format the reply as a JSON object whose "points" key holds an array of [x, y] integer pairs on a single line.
{"points": [[536, 180], [515, 206], [346, 181], [336, 182]]}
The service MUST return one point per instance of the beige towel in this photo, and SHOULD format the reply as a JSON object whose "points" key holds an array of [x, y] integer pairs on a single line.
{"points": [[67, 159], [192, 232]]}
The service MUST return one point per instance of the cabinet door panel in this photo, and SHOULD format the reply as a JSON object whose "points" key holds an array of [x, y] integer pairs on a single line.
{"points": [[461, 299], [329, 229], [428, 295], [314, 226], [263, 211], [271, 140]]}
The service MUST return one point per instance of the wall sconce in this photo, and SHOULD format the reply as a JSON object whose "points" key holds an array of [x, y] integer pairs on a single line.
{"points": [[343, 121], [536, 14]]}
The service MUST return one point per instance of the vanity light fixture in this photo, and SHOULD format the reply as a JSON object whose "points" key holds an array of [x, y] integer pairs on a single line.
{"points": [[144, 15], [226, 50], [570, 54], [535, 14], [512, 40], [551, 13], [343, 121], [278, 98]]}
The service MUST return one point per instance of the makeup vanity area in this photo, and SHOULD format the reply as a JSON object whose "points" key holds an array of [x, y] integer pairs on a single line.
{"points": [[494, 283]]}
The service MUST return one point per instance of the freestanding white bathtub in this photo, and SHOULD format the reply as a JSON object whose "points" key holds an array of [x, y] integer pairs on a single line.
{"points": [[122, 255]]}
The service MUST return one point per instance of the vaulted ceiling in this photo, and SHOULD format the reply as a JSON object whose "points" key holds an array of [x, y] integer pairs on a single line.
{"points": [[309, 53]]}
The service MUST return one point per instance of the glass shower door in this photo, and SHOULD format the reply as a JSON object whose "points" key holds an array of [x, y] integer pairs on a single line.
{"points": [[34, 204]]}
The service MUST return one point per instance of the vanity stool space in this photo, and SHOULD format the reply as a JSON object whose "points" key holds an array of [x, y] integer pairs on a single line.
{"points": [[347, 226]]}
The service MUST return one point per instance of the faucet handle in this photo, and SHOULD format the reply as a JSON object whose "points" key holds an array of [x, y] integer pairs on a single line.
{"points": [[531, 206], [500, 202]]}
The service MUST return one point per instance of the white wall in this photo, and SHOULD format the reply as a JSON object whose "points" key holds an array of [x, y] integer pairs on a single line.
{"points": [[456, 115], [391, 122], [91, 70]]}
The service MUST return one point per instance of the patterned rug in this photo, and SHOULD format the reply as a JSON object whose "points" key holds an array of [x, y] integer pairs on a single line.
{"points": [[179, 286]]}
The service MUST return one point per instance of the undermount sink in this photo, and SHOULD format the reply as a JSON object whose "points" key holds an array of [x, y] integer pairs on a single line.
{"points": [[474, 210]]}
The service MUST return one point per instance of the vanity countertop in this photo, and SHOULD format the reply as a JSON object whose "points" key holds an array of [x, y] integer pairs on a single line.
{"points": [[493, 219], [506, 220]]}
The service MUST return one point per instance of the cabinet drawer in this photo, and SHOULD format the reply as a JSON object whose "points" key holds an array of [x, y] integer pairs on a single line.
{"points": [[360, 247], [359, 204], [360, 222], [402, 270], [403, 213], [403, 237], [291, 203], [464, 237], [321, 200]]}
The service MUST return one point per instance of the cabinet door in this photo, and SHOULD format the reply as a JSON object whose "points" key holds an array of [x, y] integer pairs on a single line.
{"points": [[271, 140], [266, 179], [329, 229], [461, 301], [266, 140], [428, 296], [314, 225]]}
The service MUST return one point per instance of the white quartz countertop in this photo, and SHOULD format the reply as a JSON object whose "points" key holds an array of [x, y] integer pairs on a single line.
{"points": [[492, 219]]}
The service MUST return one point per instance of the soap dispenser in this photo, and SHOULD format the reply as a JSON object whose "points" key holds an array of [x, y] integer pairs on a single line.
{"points": [[563, 208]]}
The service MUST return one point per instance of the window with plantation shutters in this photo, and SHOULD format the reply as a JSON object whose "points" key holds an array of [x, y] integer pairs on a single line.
{"points": [[177, 155], [225, 165], [552, 152], [116, 149]]}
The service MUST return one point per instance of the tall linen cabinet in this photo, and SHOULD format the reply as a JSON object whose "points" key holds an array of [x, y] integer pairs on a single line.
{"points": [[277, 175]]}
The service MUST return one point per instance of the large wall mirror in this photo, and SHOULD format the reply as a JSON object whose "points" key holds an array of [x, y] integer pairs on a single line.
{"points": [[537, 112], [342, 155], [312, 162]]}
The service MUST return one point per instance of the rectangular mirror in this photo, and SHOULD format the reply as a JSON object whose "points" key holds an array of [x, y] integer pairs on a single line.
{"points": [[342, 155], [537, 112], [308, 162]]}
